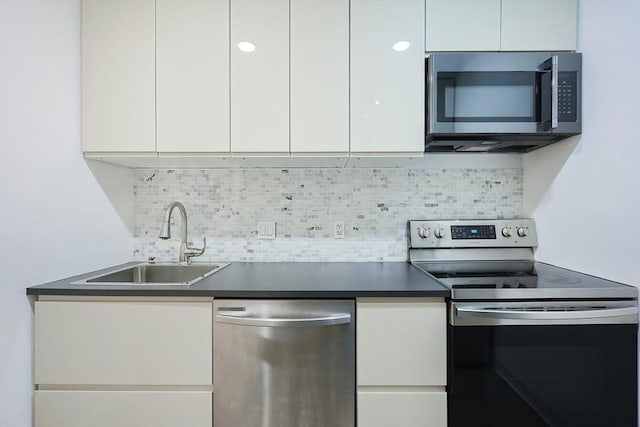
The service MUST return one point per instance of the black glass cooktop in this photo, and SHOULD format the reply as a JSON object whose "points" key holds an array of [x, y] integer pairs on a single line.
{"points": [[497, 280], [542, 281]]}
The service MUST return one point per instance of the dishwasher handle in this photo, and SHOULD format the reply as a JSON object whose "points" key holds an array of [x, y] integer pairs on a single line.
{"points": [[329, 320]]}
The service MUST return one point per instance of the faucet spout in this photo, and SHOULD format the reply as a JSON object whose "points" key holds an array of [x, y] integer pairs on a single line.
{"points": [[165, 232]]}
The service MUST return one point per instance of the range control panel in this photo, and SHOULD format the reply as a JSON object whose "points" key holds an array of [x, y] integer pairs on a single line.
{"points": [[479, 233]]}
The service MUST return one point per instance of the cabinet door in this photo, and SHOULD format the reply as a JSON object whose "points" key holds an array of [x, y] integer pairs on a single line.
{"points": [[192, 75], [118, 76], [319, 76], [123, 408], [402, 409], [123, 343], [462, 25], [547, 25], [387, 76], [260, 76], [401, 343]]}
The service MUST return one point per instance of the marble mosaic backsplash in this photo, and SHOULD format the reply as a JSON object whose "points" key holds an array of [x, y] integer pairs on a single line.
{"points": [[374, 204]]}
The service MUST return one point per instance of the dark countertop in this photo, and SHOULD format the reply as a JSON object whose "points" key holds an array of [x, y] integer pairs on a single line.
{"points": [[277, 280]]}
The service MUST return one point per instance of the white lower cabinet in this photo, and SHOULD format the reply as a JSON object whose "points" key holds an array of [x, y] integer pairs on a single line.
{"points": [[402, 342], [402, 409], [148, 362], [401, 362], [123, 362], [129, 342], [123, 408]]}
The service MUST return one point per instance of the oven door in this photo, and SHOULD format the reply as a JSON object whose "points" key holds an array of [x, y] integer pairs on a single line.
{"points": [[543, 364]]}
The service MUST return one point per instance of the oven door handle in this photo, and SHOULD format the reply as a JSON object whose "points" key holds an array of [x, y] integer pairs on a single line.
{"points": [[545, 315]]}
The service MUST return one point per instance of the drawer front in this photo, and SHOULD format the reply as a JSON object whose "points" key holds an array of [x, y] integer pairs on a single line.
{"points": [[401, 343], [125, 343], [402, 409], [123, 409]]}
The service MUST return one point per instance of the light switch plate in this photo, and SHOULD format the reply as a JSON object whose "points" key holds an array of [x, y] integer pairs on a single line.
{"points": [[266, 230]]}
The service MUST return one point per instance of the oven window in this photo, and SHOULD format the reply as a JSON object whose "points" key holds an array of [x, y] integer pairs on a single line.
{"points": [[488, 96], [534, 376]]}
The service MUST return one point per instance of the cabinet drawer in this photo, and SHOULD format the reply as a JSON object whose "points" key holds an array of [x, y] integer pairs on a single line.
{"points": [[125, 343], [402, 409], [401, 343], [123, 409]]}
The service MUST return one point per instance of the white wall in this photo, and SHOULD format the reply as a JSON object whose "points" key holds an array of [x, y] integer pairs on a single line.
{"points": [[585, 193], [56, 219]]}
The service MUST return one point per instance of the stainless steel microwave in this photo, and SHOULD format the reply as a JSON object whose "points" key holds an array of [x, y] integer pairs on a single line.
{"points": [[502, 102]]}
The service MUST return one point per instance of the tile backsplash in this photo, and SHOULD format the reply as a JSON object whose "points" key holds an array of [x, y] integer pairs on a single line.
{"points": [[374, 204]]}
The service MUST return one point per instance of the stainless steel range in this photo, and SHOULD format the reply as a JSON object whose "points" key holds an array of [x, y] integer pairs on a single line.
{"points": [[530, 344]]}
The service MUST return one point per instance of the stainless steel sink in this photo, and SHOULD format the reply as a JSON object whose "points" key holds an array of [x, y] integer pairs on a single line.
{"points": [[154, 275]]}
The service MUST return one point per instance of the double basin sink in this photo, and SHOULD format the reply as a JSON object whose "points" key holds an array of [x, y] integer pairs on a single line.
{"points": [[154, 275]]}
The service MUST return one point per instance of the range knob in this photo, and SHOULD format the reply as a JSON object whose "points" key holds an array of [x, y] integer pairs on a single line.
{"points": [[423, 232], [523, 231], [439, 233], [506, 231]]}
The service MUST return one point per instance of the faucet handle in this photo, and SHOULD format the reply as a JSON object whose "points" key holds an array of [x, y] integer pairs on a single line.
{"points": [[194, 252]]}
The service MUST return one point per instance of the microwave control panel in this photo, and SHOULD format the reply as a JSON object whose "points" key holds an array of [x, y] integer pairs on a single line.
{"points": [[567, 96]]}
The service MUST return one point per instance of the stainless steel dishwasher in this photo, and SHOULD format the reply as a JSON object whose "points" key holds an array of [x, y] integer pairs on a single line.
{"points": [[284, 363]]}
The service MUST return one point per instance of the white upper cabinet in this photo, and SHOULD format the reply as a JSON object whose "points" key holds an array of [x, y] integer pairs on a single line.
{"points": [[501, 25], [547, 25], [319, 76], [192, 72], [260, 76], [462, 25], [118, 76], [387, 76]]}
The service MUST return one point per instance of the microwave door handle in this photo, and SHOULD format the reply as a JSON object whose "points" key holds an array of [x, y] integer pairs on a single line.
{"points": [[549, 93], [554, 91]]}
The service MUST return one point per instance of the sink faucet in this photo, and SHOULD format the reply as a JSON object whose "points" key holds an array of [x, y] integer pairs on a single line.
{"points": [[186, 253]]}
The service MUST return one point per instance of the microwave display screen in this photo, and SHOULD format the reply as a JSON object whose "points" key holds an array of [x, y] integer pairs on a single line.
{"points": [[489, 96]]}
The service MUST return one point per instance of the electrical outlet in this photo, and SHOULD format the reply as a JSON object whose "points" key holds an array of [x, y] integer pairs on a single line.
{"points": [[266, 230], [338, 230]]}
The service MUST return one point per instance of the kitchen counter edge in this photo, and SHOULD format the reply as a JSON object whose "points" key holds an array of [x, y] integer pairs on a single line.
{"points": [[285, 280]]}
